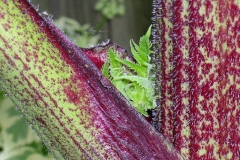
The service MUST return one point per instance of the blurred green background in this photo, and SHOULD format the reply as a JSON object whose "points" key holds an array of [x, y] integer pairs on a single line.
{"points": [[118, 20], [86, 22]]}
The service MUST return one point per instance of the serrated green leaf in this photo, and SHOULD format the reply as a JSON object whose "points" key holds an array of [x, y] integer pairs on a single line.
{"points": [[12, 112], [112, 59], [139, 69], [136, 95], [143, 82], [136, 54], [19, 130], [133, 78]]}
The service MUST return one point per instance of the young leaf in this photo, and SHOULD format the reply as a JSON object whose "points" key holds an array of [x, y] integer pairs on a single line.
{"points": [[133, 77]]}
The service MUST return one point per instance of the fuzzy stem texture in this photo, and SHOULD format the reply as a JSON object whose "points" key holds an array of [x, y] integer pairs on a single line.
{"points": [[197, 54]]}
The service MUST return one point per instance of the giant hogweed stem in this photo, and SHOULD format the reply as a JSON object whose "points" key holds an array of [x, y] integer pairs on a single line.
{"points": [[197, 50]]}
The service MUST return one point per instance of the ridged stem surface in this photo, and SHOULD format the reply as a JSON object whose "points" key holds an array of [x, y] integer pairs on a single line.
{"points": [[197, 48]]}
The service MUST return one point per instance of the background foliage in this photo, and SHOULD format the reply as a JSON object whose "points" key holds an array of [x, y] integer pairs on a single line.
{"points": [[17, 139], [120, 29]]}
